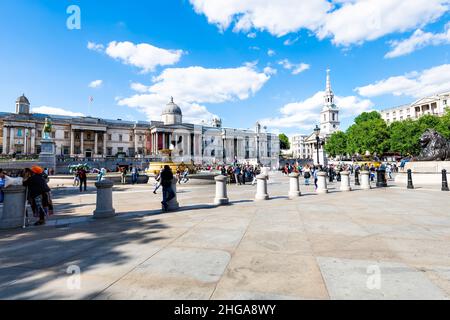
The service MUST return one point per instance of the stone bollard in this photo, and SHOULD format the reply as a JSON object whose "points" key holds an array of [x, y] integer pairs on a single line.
{"points": [[381, 179], [13, 208], [322, 183], [345, 181], [173, 204], [104, 208], [410, 181], [444, 181], [365, 180], [261, 187], [221, 191], [294, 186]]}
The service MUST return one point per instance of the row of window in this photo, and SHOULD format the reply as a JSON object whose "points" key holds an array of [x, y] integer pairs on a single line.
{"points": [[88, 136]]}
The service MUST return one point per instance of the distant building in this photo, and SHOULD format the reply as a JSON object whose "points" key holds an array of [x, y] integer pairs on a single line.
{"points": [[87, 137], [299, 148], [433, 105]]}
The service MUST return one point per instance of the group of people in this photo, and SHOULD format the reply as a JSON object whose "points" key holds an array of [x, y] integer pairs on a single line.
{"points": [[240, 174], [38, 193]]}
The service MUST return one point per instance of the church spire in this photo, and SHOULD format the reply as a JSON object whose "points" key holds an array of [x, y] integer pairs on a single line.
{"points": [[328, 81], [329, 95]]}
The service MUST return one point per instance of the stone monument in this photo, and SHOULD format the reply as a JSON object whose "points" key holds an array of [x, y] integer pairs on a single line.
{"points": [[47, 157]]}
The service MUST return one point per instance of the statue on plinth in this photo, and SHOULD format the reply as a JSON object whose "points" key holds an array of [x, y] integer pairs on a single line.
{"points": [[47, 129], [434, 147]]}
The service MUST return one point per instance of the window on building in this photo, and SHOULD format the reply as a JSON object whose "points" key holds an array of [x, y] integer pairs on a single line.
{"points": [[100, 137], [66, 134], [131, 137], [109, 137], [213, 153], [334, 117], [120, 139], [53, 135], [109, 151], [88, 137], [19, 133], [140, 138], [77, 136], [39, 134], [120, 150], [66, 150]]}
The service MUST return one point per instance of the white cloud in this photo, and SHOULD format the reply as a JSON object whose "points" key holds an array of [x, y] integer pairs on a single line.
{"points": [[414, 84], [271, 53], [56, 111], [194, 86], [418, 40], [95, 47], [345, 21], [251, 35], [96, 84], [306, 114], [295, 68], [290, 41]]}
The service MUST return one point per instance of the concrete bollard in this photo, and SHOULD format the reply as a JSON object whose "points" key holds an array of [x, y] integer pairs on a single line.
{"points": [[221, 191], [322, 183], [261, 187], [410, 180], [294, 186], [365, 180], [173, 204], [345, 181], [104, 207], [381, 179], [13, 208]]}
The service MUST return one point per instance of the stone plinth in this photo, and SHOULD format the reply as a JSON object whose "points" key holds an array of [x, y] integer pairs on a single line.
{"points": [[47, 157], [294, 186], [104, 208], [322, 187], [424, 172], [221, 191], [345, 181], [173, 204], [261, 188], [365, 180], [13, 208]]}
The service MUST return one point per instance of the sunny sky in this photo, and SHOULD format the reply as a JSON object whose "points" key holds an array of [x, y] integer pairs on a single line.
{"points": [[242, 60]]}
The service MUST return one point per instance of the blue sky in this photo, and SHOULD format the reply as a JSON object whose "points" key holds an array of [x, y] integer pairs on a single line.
{"points": [[230, 59]]}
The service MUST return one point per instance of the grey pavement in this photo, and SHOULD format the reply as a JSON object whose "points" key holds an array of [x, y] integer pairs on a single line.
{"points": [[388, 243]]}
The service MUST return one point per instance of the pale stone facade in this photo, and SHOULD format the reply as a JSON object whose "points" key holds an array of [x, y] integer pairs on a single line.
{"points": [[299, 148], [87, 137], [433, 105]]}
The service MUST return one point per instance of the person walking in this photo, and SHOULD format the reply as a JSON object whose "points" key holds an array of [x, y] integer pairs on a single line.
{"points": [[237, 173], [82, 174], [124, 175], [158, 181], [134, 175], [38, 193], [307, 176], [185, 176], [166, 183]]}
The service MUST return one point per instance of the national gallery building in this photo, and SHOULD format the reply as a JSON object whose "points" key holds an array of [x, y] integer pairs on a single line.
{"points": [[87, 137]]}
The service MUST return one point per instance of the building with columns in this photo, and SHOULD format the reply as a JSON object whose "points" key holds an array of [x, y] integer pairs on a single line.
{"points": [[329, 124], [433, 105], [88, 137]]}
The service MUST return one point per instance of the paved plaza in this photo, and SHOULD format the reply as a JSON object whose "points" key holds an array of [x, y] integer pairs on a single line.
{"points": [[387, 243]]}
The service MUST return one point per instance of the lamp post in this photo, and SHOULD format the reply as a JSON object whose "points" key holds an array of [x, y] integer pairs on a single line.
{"points": [[317, 132], [258, 131], [224, 138]]}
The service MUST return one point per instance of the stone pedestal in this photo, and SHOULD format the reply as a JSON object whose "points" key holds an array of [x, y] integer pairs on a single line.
{"points": [[294, 186], [381, 179], [13, 208], [47, 157], [345, 181], [261, 188], [221, 191], [173, 204], [104, 207], [322, 187], [365, 180]]}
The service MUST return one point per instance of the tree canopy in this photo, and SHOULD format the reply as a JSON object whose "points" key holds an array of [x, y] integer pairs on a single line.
{"points": [[284, 142]]}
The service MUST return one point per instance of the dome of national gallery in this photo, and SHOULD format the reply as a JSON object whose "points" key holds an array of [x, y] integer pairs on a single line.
{"points": [[172, 108], [23, 99]]}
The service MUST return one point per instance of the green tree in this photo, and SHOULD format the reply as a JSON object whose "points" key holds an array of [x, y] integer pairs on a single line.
{"points": [[284, 142], [404, 137], [369, 133], [444, 125], [337, 144]]}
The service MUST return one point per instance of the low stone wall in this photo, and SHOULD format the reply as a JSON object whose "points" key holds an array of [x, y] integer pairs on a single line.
{"points": [[424, 172]]}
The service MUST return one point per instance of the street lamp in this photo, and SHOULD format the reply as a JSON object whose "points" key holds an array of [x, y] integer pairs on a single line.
{"points": [[224, 138], [317, 132]]}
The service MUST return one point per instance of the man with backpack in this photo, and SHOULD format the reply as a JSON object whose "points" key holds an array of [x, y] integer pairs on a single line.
{"points": [[166, 183]]}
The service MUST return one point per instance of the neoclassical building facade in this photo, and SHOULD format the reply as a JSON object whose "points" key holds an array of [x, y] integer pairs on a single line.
{"points": [[88, 137]]}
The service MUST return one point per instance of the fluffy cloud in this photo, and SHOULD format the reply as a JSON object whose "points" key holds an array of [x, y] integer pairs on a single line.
{"points": [[345, 21], [295, 68], [305, 114], [56, 111], [194, 86], [414, 84], [418, 40], [96, 84], [143, 56], [271, 53]]}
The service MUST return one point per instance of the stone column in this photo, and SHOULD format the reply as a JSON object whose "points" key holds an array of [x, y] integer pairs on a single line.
{"points": [[5, 140], [136, 145], [345, 181], [72, 143], [365, 182], [82, 143], [221, 191], [33, 141], [104, 208], [294, 186], [173, 204], [13, 208], [105, 137], [11, 140], [25, 141], [95, 144], [322, 183], [261, 188]]}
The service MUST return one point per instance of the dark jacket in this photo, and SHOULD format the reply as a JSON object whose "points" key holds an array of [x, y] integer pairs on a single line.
{"points": [[36, 185], [166, 178]]}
